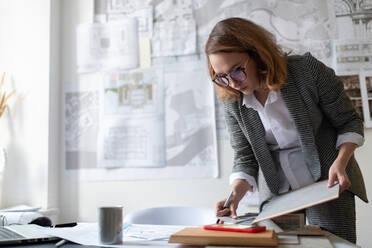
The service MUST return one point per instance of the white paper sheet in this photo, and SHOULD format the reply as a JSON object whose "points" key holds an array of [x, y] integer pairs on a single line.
{"points": [[352, 55], [174, 38], [190, 124], [102, 46], [150, 232], [132, 125], [143, 14], [81, 121], [132, 143], [174, 29], [134, 236]]}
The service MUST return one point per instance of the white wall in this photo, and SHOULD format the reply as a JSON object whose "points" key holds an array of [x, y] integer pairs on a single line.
{"points": [[24, 54], [363, 210]]}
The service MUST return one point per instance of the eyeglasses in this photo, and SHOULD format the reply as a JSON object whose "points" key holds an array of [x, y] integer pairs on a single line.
{"points": [[237, 75]]}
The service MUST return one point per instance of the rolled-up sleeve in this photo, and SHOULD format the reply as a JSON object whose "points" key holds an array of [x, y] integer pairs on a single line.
{"points": [[349, 137], [251, 197], [241, 175]]}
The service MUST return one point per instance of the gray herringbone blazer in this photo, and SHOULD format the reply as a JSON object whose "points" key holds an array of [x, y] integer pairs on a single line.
{"points": [[321, 111]]}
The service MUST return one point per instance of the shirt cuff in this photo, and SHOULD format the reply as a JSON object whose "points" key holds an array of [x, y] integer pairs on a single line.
{"points": [[251, 197], [351, 137]]}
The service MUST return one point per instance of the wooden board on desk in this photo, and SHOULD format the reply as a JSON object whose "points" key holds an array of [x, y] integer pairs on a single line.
{"points": [[199, 236]]}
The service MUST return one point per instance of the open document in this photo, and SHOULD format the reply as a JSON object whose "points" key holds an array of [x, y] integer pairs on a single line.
{"points": [[135, 234]]}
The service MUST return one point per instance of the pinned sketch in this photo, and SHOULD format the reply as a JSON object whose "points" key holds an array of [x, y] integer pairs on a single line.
{"points": [[170, 10], [111, 45], [174, 29], [352, 55], [126, 6], [137, 92], [174, 38], [354, 19], [144, 16], [131, 142], [81, 122], [189, 120], [132, 130], [145, 21], [353, 49]]}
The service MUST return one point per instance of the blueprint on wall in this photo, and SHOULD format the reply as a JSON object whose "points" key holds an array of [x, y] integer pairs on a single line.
{"points": [[141, 124], [132, 123]]}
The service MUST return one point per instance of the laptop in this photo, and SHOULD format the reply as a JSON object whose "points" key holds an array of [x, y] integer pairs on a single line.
{"points": [[23, 234]]}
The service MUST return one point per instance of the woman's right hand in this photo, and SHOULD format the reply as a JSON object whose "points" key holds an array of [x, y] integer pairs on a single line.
{"points": [[239, 188]]}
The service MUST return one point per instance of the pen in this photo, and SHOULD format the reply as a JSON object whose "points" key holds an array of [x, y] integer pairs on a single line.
{"points": [[61, 242], [72, 224], [227, 203]]}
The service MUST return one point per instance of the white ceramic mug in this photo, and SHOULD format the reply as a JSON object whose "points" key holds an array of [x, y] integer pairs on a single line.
{"points": [[110, 224]]}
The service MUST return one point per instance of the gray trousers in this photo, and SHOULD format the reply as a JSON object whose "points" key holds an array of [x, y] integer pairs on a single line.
{"points": [[337, 216]]}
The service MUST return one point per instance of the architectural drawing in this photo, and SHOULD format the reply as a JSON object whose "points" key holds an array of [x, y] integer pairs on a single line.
{"points": [[189, 117], [81, 125], [111, 45], [354, 45], [132, 126]]}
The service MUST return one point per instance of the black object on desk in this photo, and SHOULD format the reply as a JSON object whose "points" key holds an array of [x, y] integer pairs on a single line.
{"points": [[71, 224], [42, 221]]}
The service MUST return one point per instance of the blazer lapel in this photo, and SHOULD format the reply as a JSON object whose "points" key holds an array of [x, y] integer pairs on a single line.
{"points": [[255, 132], [298, 112]]}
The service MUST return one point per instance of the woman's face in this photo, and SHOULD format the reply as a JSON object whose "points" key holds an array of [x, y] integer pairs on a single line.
{"points": [[225, 63]]}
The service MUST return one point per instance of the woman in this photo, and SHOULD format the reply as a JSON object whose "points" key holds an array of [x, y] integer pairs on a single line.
{"points": [[289, 120]]}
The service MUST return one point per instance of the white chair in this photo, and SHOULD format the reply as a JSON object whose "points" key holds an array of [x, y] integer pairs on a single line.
{"points": [[186, 216]]}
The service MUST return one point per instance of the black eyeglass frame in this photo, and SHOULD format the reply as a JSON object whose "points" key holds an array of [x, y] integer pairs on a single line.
{"points": [[227, 76]]}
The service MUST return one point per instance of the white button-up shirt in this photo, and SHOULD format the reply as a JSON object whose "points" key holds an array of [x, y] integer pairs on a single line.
{"points": [[283, 140]]}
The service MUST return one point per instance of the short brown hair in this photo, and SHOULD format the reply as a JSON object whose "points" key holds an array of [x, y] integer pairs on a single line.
{"points": [[241, 35]]}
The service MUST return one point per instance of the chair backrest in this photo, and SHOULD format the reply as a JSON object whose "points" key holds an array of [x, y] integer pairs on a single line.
{"points": [[188, 216]]}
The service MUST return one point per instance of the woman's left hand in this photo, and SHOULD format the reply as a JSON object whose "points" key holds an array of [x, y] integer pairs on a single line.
{"points": [[337, 173]]}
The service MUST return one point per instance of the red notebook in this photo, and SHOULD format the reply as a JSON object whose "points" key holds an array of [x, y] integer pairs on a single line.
{"points": [[235, 228]]}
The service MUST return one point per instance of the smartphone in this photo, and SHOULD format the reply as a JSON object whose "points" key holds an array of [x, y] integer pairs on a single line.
{"points": [[235, 228]]}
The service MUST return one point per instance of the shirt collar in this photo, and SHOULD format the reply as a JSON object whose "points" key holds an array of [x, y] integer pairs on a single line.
{"points": [[250, 101]]}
